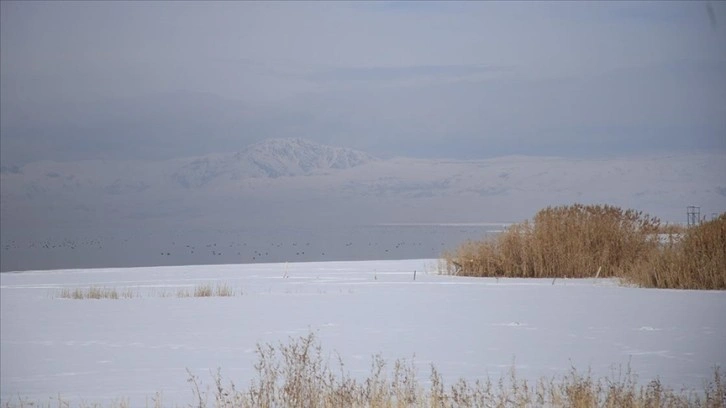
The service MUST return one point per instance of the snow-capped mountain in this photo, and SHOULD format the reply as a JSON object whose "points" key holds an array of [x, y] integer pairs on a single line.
{"points": [[293, 180], [270, 158]]}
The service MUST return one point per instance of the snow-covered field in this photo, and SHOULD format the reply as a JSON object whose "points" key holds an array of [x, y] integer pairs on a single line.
{"points": [[100, 350]]}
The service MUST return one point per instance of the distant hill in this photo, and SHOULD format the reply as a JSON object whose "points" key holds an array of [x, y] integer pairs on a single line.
{"points": [[295, 180], [270, 158]]}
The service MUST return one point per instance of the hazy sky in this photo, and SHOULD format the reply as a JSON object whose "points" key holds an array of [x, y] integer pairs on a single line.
{"points": [[81, 80]]}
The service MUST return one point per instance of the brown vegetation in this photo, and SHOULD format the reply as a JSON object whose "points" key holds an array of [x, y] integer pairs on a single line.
{"points": [[697, 260], [207, 290], [580, 241], [298, 375], [95, 292]]}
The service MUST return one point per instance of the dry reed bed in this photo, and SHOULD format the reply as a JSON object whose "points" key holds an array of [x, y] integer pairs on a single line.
{"points": [[584, 241], [297, 374]]}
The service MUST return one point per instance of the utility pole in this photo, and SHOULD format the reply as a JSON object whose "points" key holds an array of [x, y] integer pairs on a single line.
{"points": [[694, 215]]}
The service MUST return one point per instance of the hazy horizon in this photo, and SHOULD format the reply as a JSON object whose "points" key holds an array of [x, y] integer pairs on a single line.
{"points": [[469, 80]]}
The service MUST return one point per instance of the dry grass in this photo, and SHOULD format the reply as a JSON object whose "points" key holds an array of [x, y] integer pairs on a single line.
{"points": [[207, 290], [95, 292], [581, 241], [204, 290], [297, 374], [697, 260]]}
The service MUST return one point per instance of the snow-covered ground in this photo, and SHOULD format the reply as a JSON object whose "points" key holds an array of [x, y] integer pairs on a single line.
{"points": [[99, 350]]}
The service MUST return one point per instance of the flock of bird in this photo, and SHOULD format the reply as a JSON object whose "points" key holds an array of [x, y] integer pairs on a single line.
{"points": [[53, 244], [276, 248], [242, 251], [186, 247]]}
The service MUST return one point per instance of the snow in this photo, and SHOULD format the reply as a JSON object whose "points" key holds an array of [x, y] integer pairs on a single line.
{"points": [[101, 350]]}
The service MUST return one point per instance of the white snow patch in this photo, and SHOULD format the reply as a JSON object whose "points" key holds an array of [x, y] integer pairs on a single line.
{"points": [[101, 350]]}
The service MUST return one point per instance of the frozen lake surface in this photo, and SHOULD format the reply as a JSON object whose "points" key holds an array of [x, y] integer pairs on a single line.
{"points": [[100, 350]]}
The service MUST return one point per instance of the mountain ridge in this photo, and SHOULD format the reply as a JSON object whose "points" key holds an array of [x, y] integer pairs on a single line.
{"points": [[272, 158], [276, 176]]}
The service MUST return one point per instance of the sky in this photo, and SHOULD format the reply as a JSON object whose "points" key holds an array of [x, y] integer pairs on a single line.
{"points": [[159, 80]]}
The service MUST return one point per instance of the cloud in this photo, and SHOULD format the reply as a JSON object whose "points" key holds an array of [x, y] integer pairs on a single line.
{"points": [[405, 72], [627, 111], [83, 80]]}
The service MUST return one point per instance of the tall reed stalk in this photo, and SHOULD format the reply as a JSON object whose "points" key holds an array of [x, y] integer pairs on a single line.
{"points": [[580, 241]]}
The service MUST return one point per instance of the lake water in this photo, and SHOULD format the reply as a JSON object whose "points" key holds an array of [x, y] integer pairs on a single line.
{"points": [[66, 249]]}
